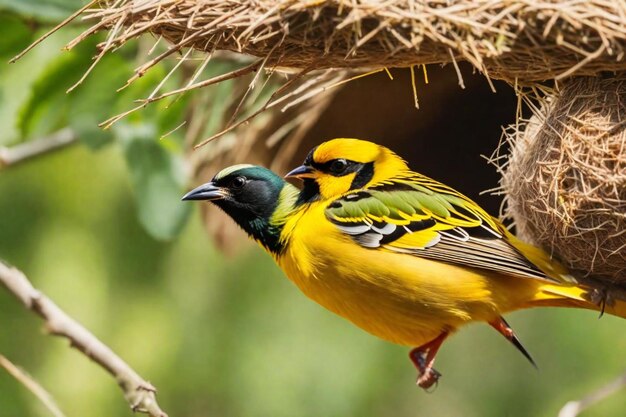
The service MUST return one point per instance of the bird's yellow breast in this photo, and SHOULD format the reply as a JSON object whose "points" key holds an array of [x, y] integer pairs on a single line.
{"points": [[398, 297]]}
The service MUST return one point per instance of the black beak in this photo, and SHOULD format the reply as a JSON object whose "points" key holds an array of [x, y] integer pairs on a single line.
{"points": [[206, 191], [302, 171]]}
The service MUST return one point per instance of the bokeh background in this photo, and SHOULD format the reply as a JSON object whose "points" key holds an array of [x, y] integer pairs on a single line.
{"points": [[99, 228]]}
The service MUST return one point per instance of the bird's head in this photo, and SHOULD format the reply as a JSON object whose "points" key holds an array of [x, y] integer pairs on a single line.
{"points": [[258, 200], [341, 165]]}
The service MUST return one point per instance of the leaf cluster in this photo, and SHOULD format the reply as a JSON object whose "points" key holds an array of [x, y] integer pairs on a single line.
{"points": [[34, 103]]}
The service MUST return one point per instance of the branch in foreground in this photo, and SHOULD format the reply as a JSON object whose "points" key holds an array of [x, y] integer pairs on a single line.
{"points": [[19, 153], [32, 385], [139, 393], [574, 408]]}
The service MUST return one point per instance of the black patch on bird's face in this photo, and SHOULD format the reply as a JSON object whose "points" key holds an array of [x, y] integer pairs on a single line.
{"points": [[338, 167], [364, 175], [310, 192], [251, 197]]}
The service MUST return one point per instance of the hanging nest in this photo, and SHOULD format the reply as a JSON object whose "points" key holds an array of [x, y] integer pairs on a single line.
{"points": [[566, 177], [528, 40]]}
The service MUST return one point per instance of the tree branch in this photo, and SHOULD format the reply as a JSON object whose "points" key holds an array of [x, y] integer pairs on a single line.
{"points": [[19, 153], [574, 408], [139, 393], [32, 385]]}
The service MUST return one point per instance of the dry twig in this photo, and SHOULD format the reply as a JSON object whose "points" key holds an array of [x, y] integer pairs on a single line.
{"points": [[139, 393], [574, 408], [19, 153], [32, 385]]}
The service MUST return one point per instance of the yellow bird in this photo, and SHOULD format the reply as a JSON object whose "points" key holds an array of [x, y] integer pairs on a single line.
{"points": [[402, 256]]}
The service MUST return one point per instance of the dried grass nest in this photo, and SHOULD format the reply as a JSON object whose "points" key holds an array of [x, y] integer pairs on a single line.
{"points": [[515, 40], [566, 177]]}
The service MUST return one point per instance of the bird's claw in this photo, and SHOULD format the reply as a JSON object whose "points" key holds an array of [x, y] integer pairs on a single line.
{"points": [[427, 378], [423, 358]]}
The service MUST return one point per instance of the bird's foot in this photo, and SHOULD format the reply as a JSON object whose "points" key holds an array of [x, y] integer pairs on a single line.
{"points": [[428, 378], [423, 358]]}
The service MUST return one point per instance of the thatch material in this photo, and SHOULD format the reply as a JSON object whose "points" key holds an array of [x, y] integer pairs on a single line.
{"points": [[529, 40], [566, 177], [520, 41]]}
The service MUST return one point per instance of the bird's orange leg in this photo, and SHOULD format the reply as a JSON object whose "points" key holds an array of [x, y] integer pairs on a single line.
{"points": [[423, 357], [505, 330]]}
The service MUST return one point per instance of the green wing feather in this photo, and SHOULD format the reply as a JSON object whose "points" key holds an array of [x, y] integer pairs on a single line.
{"points": [[417, 215]]}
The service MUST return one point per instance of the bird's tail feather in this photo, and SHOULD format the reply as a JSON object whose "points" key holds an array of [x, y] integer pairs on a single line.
{"points": [[579, 297]]}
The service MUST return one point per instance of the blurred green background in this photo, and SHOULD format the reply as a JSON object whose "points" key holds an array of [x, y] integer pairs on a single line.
{"points": [[99, 228]]}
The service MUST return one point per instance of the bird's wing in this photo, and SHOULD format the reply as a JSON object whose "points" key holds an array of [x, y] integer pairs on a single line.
{"points": [[420, 216]]}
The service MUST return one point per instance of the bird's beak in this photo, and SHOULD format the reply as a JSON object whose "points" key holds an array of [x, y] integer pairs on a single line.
{"points": [[302, 171], [206, 191]]}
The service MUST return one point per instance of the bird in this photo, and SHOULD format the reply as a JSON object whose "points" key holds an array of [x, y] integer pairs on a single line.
{"points": [[400, 255]]}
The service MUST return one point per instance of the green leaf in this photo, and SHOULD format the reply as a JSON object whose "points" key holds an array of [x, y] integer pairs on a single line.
{"points": [[158, 179], [96, 98], [167, 114], [16, 36], [89, 133], [48, 106], [17, 79], [43, 10], [221, 97], [171, 115]]}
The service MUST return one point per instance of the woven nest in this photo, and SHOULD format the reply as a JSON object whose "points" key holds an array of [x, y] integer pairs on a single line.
{"points": [[528, 40], [566, 177], [519, 41]]}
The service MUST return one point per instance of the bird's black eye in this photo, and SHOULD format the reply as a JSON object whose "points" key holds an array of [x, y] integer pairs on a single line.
{"points": [[338, 166], [237, 182]]}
